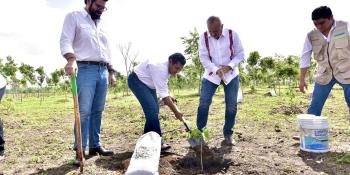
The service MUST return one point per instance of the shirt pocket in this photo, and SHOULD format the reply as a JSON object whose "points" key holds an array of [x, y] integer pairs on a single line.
{"points": [[86, 31]]}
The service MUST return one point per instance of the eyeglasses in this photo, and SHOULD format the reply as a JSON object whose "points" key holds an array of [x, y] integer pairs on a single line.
{"points": [[100, 7]]}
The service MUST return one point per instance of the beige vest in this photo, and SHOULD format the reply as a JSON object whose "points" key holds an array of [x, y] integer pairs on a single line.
{"points": [[333, 58]]}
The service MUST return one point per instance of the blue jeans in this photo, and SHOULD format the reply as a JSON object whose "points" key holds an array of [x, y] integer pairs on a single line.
{"points": [[321, 93], [147, 97], [92, 82], [2, 141], [207, 92]]}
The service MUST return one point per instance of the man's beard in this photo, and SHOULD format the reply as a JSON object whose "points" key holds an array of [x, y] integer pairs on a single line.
{"points": [[94, 15]]}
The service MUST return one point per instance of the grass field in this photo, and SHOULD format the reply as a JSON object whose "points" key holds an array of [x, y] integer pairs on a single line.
{"points": [[39, 135]]}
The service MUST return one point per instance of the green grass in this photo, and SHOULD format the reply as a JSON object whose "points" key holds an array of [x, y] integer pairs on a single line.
{"points": [[39, 133]]}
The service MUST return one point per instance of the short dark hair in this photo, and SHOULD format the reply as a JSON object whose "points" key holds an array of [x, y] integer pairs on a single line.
{"points": [[321, 12], [85, 1], [213, 19], [178, 58]]}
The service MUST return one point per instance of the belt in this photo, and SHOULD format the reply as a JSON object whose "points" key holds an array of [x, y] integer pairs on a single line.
{"points": [[100, 63]]}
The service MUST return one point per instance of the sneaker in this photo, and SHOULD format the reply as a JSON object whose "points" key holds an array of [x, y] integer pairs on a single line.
{"points": [[164, 147], [2, 152], [296, 136], [229, 141], [1, 155]]}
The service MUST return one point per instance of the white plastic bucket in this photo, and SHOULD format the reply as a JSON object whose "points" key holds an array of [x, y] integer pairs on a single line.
{"points": [[313, 133]]}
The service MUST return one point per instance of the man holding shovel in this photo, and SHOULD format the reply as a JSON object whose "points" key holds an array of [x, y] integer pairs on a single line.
{"points": [[220, 52], [150, 78], [85, 43]]}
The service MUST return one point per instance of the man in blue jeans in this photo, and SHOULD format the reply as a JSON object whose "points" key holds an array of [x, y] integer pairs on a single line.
{"points": [[150, 78], [330, 44], [220, 52], [84, 42], [2, 141]]}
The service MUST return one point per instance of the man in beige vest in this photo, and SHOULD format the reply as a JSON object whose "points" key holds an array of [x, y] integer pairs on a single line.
{"points": [[329, 43]]}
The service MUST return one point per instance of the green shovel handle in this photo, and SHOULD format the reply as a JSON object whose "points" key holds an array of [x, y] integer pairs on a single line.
{"points": [[73, 80]]}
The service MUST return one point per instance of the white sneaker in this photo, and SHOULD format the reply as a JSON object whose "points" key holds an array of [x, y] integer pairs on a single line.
{"points": [[2, 154]]}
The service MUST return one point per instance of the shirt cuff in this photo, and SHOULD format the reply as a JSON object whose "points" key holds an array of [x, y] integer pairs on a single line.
{"points": [[214, 70], [163, 94], [67, 50], [232, 65]]}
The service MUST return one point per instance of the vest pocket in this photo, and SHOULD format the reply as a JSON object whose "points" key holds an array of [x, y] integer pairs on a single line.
{"points": [[341, 43], [320, 75], [344, 67], [318, 54], [342, 47]]}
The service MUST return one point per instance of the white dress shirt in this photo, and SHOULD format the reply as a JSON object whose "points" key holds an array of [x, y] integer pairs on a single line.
{"points": [[305, 57], [82, 37], [220, 53], [2, 81], [155, 75]]}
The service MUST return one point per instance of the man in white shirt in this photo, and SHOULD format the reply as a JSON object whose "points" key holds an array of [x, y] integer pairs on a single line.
{"points": [[150, 78], [220, 53], [330, 44], [84, 42], [2, 141]]}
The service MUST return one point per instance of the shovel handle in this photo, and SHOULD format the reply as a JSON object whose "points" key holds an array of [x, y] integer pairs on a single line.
{"points": [[188, 129], [77, 121]]}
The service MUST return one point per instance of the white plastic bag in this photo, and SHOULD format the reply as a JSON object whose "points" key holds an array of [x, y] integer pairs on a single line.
{"points": [[145, 159]]}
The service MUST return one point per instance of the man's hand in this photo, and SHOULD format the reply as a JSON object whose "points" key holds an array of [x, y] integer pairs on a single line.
{"points": [[225, 68], [70, 57], [173, 99], [111, 79], [221, 74], [69, 68], [302, 85], [179, 116]]}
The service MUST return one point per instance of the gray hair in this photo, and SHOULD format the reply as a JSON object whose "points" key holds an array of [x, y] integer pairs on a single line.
{"points": [[213, 19]]}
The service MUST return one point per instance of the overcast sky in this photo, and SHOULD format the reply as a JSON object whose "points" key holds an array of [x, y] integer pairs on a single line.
{"points": [[30, 29]]}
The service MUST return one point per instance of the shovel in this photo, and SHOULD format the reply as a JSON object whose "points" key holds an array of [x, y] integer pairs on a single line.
{"points": [[195, 137], [77, 121]]}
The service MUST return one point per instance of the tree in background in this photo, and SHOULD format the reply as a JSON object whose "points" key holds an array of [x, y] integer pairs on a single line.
{"points": [[129, 63], [10, 70], [28, 75], [195, 72], [267, 65], [55, 78], [41, 76], [253, 69]]}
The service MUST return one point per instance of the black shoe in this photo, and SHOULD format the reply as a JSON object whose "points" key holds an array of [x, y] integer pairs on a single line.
{"points": [[164, 147], [101, 151], [77, 160]]}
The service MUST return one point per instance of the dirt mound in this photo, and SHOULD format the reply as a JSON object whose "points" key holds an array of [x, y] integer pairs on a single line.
{"points": [[287, 110]]}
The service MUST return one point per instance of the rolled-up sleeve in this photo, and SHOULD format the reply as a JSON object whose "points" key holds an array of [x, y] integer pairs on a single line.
{"points": [[238, 55], [67, 35], [204, 56], [305, 58], [160, 81]]}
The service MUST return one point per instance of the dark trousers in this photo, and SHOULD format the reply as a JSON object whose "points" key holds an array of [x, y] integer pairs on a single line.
{"points": [[2, 141]]}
